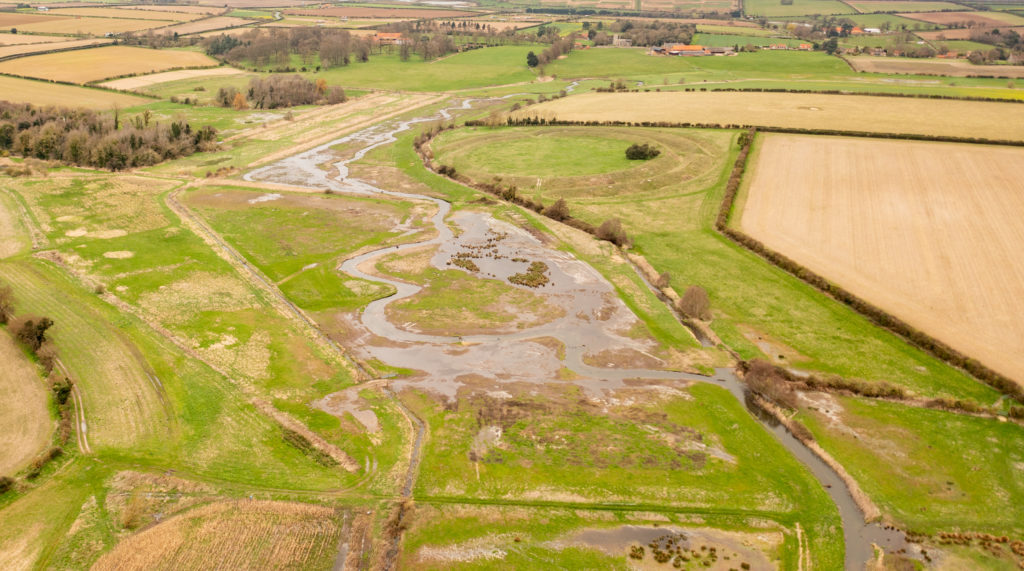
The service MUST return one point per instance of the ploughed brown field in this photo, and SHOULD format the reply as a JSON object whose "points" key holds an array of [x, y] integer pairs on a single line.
{"points": [[930, 232], [990, 120]]}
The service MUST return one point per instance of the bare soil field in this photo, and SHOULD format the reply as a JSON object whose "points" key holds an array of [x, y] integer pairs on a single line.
{"points": [[131, 14], [137, 82], [25, 423], [795, 110], [953, 68], [83, 66], [44, 93], [236, 535], [19, 19], [928, 231], [216, 23], [28, 49], [374, 12], [980, 19]]}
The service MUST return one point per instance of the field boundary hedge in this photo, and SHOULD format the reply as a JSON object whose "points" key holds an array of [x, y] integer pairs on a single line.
{"points": [[876, 315], [545, 122]]}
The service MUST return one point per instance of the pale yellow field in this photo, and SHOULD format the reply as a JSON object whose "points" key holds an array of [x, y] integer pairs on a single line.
{"points": [[998, 121], [28, 49], [90, 26], [130, 14], [42, 93], [83, 66], [128, 83], [954, 68], [25, 423], [217, 23], [21, 39], [930, 232], [235, 535], [177, 8]]}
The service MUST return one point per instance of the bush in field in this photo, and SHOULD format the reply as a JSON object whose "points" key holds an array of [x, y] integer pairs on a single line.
{"points": [[764, 380], [663, 281], [31, 331], [557, 211], [6, 483], [612, 231], [695, 303], [637, 152], [6, 304]]}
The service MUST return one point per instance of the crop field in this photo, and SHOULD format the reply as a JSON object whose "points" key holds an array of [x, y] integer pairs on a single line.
{"points": [[380, 12], [84, 66], [238, 535], [87, 26], [143, 81], [954, 68], [28, 49], [121, 13], [988, 19], [205, 25], [931, 229], [20, 39], [25, 424], [188, 9], [958, 33], [44, 93], [999, 121], [902, 6]]}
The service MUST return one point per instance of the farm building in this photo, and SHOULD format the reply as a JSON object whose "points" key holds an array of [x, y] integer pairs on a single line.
{"points": [[682, 50], [389, 38]]}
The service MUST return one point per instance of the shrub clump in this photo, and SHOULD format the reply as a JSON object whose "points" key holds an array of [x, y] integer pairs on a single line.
{"points": [[695, 304], [637, 152]]}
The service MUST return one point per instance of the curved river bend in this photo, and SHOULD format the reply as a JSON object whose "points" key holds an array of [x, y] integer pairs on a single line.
{"points": [[583, 294]]}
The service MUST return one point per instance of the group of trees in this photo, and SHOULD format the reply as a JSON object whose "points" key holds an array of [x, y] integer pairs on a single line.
{"points": [[559, 47], [87, 138], [638, 152], [641, 32], [262, 47], [277, 91]]}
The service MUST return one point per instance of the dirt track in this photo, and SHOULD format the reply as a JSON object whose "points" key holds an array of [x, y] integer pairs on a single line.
{"points": [[928, 231]]}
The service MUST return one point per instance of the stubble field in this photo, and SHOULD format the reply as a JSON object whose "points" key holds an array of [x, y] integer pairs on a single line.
{"points": [[954, 68], [795, 110], [24, 416], [927, 231], [84, 66]]}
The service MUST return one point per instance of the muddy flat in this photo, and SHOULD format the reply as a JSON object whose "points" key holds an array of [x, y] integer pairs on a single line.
{"points": [[930, 232]]}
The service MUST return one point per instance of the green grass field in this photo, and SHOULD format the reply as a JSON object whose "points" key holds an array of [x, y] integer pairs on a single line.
{"points": [[930, 470], [577, 455], [774, 8]]}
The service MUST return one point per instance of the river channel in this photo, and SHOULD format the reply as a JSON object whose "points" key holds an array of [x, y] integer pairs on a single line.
{"points": [[593, 318]]}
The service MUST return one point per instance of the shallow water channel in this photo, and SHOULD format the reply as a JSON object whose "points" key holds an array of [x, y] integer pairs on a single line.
{"points": [[593, 319]]}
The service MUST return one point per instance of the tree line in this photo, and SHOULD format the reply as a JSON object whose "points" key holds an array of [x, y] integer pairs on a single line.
{"points": [[88, 138]]}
